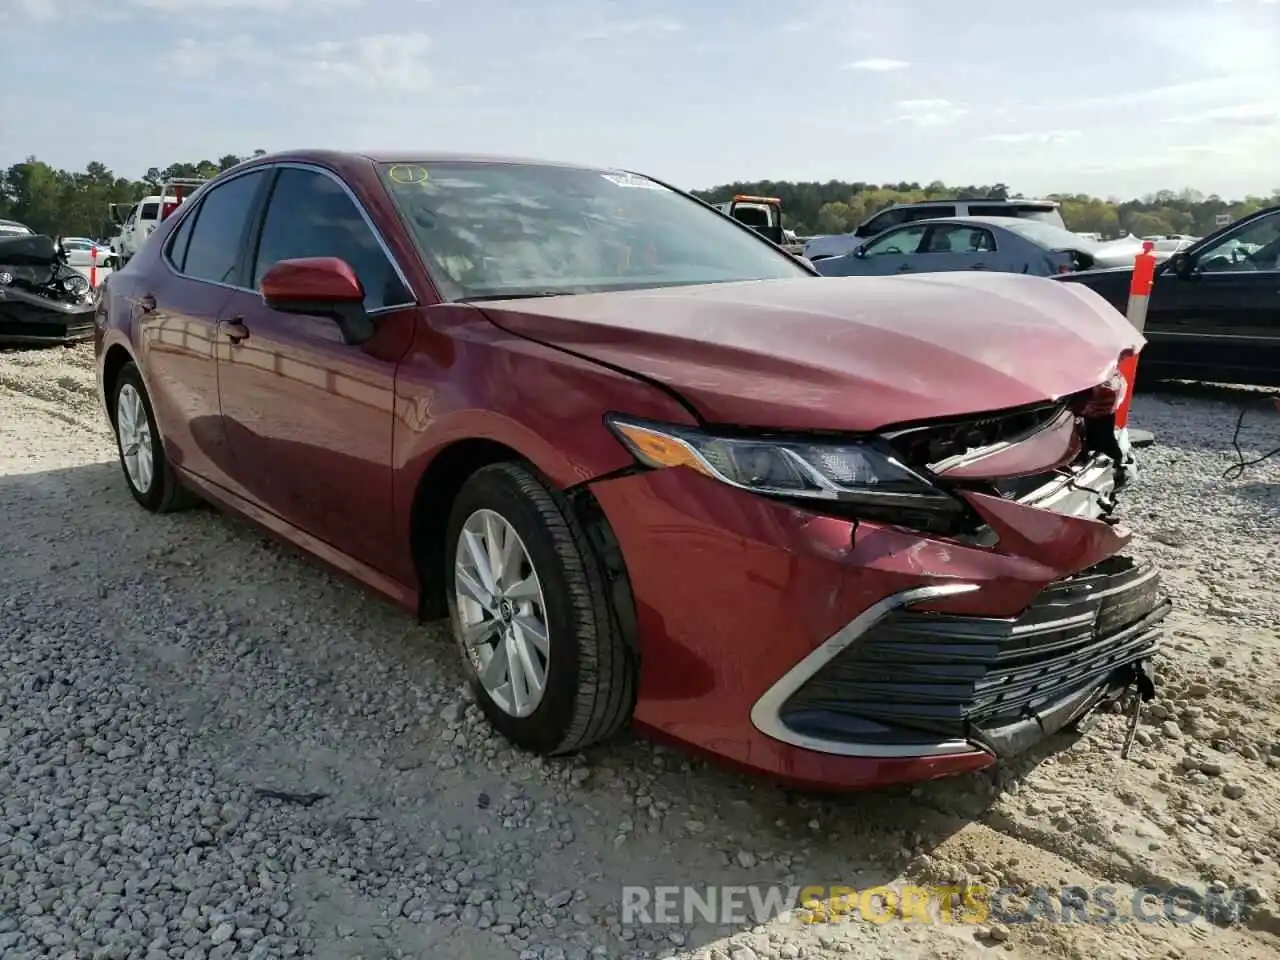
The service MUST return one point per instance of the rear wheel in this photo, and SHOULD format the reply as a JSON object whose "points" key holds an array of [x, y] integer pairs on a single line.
{"points": [[147, 471], [542, 647]]}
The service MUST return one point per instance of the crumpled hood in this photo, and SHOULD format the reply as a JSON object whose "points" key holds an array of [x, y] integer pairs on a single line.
{"points": [[848, 354]]}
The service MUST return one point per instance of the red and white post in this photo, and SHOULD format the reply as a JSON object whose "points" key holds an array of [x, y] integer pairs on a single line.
{"points": [[1144, 272], [93, 266]]}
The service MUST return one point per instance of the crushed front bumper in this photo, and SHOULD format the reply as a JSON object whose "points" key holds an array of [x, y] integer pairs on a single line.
{"points": [[896, 682], [831, 653], [29, 320]]}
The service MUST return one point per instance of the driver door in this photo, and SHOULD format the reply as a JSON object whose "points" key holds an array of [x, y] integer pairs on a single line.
{"points": [[893, 252], [1221, 320]]}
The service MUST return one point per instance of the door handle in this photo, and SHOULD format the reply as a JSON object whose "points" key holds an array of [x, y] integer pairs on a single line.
{"points": [[147, 302], [978, 266], [234, 329], [905, 268]]}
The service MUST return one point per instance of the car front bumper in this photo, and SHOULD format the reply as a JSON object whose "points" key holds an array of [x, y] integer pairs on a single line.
{"points": [[832, 654]]}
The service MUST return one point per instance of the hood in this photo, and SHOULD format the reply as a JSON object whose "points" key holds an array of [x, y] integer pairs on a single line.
{"points": [[848, 354]]}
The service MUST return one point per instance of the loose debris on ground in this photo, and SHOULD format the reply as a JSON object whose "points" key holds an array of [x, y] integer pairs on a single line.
{"points": [[211, 748]]}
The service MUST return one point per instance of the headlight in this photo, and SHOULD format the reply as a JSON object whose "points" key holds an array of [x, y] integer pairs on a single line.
{"points": [[78, 284], [855, 472]]}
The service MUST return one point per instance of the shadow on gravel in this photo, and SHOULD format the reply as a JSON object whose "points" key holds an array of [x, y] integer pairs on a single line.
{"points": [[370, 720]]}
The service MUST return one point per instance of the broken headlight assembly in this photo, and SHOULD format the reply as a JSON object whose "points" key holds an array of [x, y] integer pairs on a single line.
{"points": [[855, 479]]}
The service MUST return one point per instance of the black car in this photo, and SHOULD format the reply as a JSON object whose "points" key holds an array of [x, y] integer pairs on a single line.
{"points": [[1214, 310]]}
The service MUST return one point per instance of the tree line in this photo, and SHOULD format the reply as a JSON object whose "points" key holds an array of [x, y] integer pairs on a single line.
{"points": [[72, 203], [838, 207]]}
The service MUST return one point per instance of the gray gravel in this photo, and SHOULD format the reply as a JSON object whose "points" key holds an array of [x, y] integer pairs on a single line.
{"points": [[211, 748]]}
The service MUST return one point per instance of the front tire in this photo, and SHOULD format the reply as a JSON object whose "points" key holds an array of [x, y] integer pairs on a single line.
{"points": [[543, 649], [147, 471]]}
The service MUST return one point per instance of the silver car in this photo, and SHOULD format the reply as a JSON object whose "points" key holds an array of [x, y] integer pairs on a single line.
{"points": [[999, 244]]}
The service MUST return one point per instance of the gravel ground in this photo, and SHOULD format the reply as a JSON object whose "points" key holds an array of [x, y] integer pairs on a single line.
{"points": [[161, 676]]}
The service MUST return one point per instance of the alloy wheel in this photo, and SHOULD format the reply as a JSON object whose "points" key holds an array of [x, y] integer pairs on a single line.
{"points": [[134, 430], [501, 613]]}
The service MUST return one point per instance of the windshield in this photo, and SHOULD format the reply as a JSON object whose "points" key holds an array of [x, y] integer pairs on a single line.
{"points": [[1049, 236], [510, 229]]}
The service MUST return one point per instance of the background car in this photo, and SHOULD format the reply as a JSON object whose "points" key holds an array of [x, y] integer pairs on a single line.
{"points": [[80, 250], [1043, 211], [1214, 309], [494, 390], [12, 228], [999, 244]]}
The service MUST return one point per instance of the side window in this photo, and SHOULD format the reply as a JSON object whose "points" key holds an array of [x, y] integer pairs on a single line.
{"points": [[213, 250], [928, 213], [977, 210], [178, 242], [906, 240], [150, 211], [311, 215], [1254, 246], [958, 238], [883, 221]]}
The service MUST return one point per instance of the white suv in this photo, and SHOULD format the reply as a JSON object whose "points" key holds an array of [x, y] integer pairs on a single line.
{"points": [[839, 244]]}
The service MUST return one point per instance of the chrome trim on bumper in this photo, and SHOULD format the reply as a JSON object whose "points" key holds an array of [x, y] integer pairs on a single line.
{"points": [[765, 713]]}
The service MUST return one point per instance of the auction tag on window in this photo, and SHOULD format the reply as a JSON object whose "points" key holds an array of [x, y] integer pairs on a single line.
{"points": [[408, 173], [631, 180]]}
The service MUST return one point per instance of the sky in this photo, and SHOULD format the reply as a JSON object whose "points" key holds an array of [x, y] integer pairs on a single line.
{"points": [[1105, 97]]}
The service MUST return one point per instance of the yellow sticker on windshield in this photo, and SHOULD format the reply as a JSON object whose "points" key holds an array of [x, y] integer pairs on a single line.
{"points": [[408, 173]]}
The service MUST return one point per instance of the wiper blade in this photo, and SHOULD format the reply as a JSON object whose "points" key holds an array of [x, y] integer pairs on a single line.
{"points": [[515, 296]]}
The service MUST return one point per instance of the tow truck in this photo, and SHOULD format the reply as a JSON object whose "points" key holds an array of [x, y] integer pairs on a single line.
{"points": [[764, 215], [145, 215]]}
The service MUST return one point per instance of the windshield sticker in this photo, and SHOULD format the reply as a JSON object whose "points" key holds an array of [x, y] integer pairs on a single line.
{"points": [[408, 173], [631, 180]]}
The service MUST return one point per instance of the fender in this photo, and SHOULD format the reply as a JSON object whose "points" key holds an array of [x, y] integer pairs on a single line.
{"points": [[466, 380]]}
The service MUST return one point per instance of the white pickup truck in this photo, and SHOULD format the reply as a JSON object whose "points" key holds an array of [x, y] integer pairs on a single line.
{"points": [[145, 215]]}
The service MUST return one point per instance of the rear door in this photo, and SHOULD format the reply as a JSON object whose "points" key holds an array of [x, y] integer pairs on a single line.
{"points": [[176, 304], [309, 417], [1223, 320], [955, 246]]}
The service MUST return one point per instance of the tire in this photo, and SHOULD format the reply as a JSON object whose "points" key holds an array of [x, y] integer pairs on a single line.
{"points": [[590, 670], [162, 493]]}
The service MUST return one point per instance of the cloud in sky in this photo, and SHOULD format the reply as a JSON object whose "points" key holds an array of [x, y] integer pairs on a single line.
{"points": [[694, 93], [877, 65]]}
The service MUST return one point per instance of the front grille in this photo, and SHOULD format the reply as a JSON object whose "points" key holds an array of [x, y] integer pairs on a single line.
{"points": [[915, 677]]}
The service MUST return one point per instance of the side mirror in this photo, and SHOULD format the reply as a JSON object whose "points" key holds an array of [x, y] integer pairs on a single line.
{"points": [[319, 287], [1182, 265], [860, 251]]}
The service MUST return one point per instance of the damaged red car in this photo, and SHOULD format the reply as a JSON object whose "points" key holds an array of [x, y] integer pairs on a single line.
{"points": [[843, 532]]}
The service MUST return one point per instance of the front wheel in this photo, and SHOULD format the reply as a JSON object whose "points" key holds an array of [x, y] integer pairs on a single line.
{"points": [[543, 650], [147, 472]]}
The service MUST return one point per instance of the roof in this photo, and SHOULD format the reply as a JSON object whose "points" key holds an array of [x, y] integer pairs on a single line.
{"points": [[1011, 201], [1006, 222], [340, 158]]}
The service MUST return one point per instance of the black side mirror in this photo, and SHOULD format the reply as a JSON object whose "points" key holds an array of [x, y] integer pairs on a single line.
{"points": [[860, 252], [1182, 265]]}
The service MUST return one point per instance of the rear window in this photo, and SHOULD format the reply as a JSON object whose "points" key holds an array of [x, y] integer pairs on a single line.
{"points": [[150, 211], [1038, 212], [1049, 236], [752, 216], [13, 230]]}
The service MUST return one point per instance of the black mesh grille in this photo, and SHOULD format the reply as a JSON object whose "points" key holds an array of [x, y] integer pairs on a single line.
{"points": [[918, 676]]}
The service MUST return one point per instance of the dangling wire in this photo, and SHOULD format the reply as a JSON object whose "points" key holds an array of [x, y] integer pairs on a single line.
{"points": [[1237, 469]]}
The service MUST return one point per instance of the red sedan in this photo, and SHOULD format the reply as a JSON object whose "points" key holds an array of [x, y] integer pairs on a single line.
{"points": [[846, 532]]}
